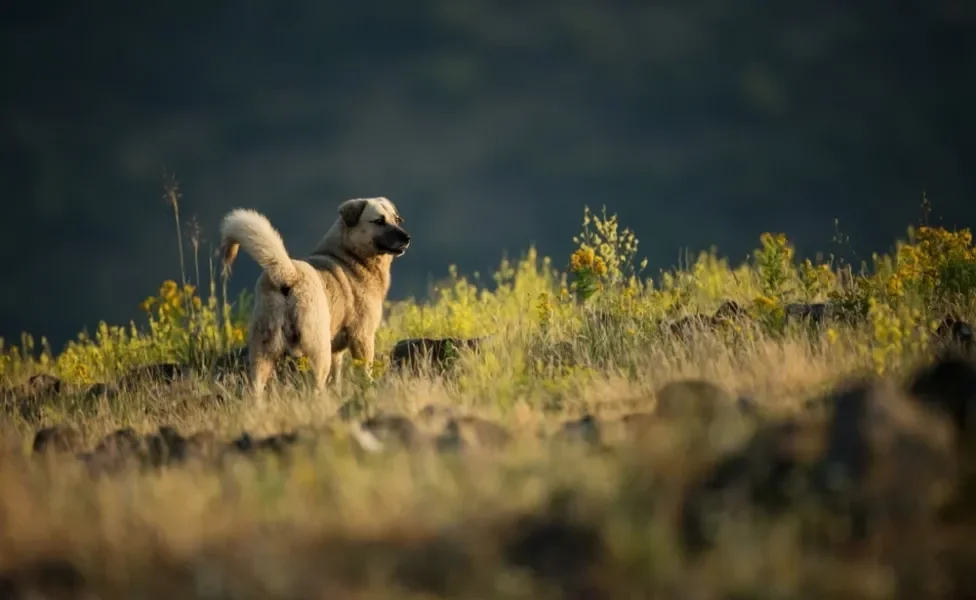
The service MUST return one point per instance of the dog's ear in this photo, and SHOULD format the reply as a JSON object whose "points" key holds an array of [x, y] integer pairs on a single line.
{"points": [[351, 210]]}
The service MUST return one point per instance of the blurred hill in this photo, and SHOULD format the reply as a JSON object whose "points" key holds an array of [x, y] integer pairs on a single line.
{"points": [[489, 124]]}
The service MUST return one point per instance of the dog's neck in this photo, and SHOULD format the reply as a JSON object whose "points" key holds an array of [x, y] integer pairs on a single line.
{"points": [[330, 240], [377, 265]]}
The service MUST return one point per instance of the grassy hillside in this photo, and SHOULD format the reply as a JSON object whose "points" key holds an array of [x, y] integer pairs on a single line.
{"points": [[577, 452]]}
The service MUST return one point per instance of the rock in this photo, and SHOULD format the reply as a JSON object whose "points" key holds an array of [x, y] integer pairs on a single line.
{"points": [[124, 448], [727, 312], [351, 409], [202, 445], [956, 335], [815, 313], [439, 354], [58, 439], [164, 448], [124, 440], [729, 309], [117, 451], [43, 384], [472, 432], [764, 473], [234, 364], [887, 458], [389, 429], [585, 430], [277, 444], [880, 467], [433, 412], [888, 472], [559, 547], [159, 373], [949, 385], [98, 390]]}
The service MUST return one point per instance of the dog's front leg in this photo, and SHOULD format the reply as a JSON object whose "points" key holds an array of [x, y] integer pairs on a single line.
{"points": [[362, 349]]}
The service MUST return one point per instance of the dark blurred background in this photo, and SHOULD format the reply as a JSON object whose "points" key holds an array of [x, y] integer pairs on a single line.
{"points": [[490, 125]]}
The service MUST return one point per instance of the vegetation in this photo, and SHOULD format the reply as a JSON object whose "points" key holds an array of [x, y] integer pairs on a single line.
{"points": [[533, 518]]}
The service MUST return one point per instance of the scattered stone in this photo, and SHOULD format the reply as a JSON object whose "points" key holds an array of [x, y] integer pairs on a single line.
{"points": [[58, 439], [472, 432], [764, 473], [949, 385], [879, 466], [202, 445], [730, 309], [439, 354], [558, 546], [164, 373], [390, 429], [233, 364], [117, 451], [816, 313], [434, 412], [686, 325], [956, 334], [727, 312], [276, 444], [886, 459], [43, 384], [585, 430], [123, 440], [164, 448], [352, 409], [98, 390]]}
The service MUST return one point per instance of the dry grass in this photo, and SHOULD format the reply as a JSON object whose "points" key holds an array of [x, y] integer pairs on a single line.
{"points": [[541, 516]]}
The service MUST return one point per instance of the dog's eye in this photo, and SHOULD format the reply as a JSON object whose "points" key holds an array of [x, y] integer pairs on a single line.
{"points": [[380, 221]]}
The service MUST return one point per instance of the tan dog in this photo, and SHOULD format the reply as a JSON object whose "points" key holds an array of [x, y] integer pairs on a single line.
{"points": [[329, 301]]}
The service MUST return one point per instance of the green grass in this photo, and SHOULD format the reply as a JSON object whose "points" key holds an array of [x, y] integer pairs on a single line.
{"points": [[536, 518]]}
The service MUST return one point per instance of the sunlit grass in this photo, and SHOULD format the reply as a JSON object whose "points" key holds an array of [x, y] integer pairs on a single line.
{"points": [[589, 334]]}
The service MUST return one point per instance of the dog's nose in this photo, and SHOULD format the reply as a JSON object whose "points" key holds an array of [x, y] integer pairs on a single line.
{"points": [[406, 237]]}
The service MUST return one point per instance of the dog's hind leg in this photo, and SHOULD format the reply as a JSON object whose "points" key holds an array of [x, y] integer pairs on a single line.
{"points": [[265, 347], [319, 355], [262, 368], [335, 372]]}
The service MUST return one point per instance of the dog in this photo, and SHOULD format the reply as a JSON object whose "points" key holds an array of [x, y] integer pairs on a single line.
{"points": [[325, 303]]}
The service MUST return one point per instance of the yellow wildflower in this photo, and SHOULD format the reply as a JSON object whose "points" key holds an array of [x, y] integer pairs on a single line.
{"points": [[599, 267], [168, 289]]}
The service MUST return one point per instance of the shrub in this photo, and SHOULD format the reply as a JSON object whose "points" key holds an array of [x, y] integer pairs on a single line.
{"points": [[554, 327]]}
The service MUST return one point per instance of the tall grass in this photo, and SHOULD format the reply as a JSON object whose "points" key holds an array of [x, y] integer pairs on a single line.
{"points": [[588, 335]]}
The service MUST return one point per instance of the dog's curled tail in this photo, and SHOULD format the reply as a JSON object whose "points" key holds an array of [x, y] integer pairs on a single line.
{"points": [[252, 230]]}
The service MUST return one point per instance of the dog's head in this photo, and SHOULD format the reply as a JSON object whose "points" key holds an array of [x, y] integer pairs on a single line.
{"points": [[373, 227]]}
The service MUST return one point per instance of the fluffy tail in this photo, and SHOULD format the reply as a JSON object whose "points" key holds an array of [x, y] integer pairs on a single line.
{"points": [[252, 230]]}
